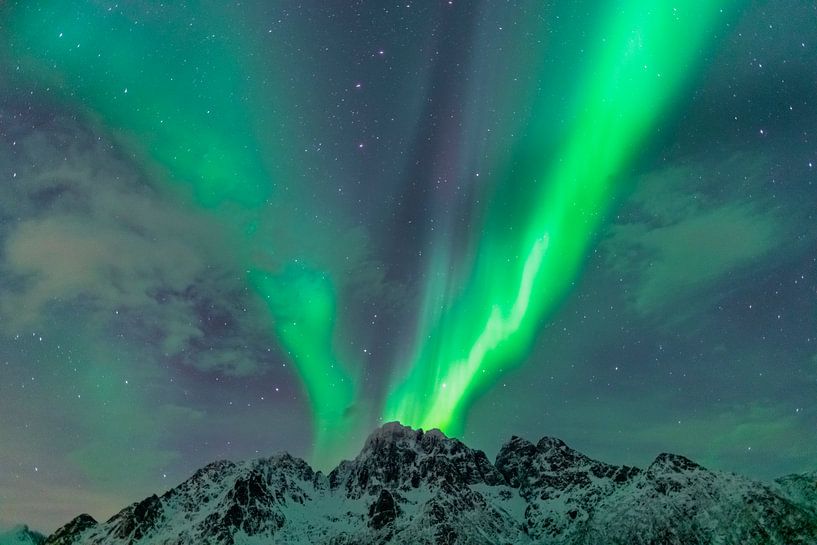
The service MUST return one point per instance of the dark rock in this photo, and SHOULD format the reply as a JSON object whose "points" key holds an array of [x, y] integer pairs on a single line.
{"points": [[71, 532], [383, 511]]}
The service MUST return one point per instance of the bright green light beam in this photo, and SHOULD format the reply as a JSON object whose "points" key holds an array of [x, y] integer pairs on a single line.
{"points": [[303, 304], [526, 264]]}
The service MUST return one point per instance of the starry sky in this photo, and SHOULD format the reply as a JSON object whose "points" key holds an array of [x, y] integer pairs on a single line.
{"points": [[229, 229]]}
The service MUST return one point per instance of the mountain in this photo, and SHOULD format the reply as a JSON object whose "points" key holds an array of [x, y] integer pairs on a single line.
{"points": [[802, 488], [20, 535], [415, 487]]}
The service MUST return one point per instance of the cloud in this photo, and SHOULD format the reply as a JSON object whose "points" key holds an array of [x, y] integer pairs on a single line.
{"points": [[86, 232], [685, 231], [234, 361], [83, 232], [132, 447], [692, 254], [742, 438], [39, 505], [64, 257]]}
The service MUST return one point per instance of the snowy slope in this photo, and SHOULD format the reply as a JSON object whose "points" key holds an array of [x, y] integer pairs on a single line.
{"points": [[410, 486], [20, 535], [800, 488]]}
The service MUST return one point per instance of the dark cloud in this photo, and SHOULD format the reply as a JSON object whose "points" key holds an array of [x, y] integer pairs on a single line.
{"points": [[85, 229]]}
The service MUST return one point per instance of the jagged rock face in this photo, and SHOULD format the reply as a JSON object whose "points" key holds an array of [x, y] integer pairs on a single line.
{"points": [[404, 459], [801, 487], [430, 477], [410, 486], [73, 531], [138, 520], [560, 485], [383, 511], [552, 466], [713, 508]]}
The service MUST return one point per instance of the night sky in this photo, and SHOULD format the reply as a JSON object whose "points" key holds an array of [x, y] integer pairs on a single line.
{"points": [[231, 229]]}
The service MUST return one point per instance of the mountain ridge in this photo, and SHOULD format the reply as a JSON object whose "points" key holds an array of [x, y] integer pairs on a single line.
{"points": [[415, 486]]}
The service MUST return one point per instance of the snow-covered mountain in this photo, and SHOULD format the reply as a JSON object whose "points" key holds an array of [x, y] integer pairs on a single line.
{"points": [[20, 535], [415, 487], [802, 488]]}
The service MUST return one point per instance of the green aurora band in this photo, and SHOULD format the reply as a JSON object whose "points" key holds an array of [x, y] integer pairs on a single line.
{"points": [[524, 268], [176, 93], [189, 111]]}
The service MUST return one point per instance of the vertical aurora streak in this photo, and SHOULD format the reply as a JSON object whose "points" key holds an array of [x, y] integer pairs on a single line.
{"points": [[303, 303], [646, 52]]}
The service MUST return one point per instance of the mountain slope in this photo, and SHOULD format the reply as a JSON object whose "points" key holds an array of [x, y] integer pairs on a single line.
{"points": [[21, 535], [410, 486], [801, 488]]}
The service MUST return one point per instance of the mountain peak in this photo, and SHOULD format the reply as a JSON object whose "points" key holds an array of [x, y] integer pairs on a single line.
{"points": [[673, 462], [559, 454], [395, 433], [391, 433], [553, 448], [405, 458], [517, 443], [394, 437], [71, 532], [548, 442]]}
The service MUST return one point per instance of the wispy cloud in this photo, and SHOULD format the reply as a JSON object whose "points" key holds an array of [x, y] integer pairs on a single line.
{"points": [[688, 229], [82, 228]]}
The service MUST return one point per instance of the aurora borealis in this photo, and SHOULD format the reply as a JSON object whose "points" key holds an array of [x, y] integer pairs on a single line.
{"points": [[228, 229], [646, 54]]}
